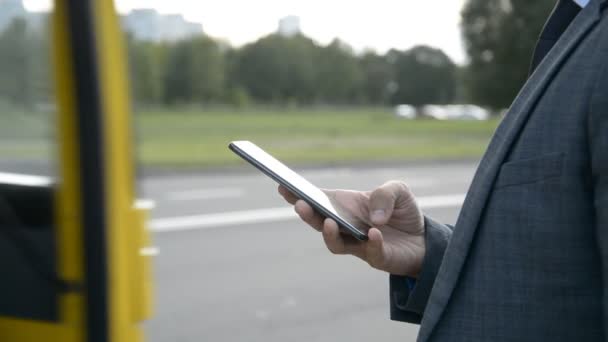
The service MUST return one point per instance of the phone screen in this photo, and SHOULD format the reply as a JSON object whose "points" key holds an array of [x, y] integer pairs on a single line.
{"points": [[293, 181]]}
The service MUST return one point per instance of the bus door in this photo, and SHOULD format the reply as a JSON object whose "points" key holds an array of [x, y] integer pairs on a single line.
{"points": [[74, 260]]}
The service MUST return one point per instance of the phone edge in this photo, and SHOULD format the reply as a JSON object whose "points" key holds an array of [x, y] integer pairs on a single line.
{"points": [[355, 232]]}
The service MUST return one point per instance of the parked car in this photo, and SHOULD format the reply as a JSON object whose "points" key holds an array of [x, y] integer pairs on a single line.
{"points": [[406, 112], [455, 112]]}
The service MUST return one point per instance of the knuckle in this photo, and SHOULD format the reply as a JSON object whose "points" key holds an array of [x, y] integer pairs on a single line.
{"points": [[392, 189], [400, 187], [381, 193]]}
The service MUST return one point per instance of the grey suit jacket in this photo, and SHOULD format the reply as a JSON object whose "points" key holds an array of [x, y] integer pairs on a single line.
{"points": [[528, 257]]}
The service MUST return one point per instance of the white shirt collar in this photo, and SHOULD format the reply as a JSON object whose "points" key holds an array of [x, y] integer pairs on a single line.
{"points": [[582, 3]]}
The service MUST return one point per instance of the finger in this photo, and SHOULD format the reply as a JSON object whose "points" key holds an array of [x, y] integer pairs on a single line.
{"points": [[339, 243], [331, 236], [308, 215], [382, 201], [374, 249], [287, 195]]}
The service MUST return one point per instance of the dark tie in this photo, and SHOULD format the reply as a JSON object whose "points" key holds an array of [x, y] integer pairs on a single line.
{"points": [[564, 12]]}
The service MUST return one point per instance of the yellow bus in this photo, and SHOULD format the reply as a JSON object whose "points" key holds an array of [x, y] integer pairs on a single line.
{"points": [[73, 249]]}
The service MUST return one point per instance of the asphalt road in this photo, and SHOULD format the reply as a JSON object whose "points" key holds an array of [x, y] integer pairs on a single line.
{"points": [[236, 265]]}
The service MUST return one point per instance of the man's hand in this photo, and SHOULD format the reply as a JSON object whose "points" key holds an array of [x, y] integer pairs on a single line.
{"points": [[394, 224]]}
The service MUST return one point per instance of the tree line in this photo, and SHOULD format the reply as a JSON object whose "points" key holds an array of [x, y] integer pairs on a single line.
{"points": [[499, 36], [287, 70]]}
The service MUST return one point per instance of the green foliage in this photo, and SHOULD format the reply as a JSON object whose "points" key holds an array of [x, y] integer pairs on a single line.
{"points": [[238, 97], [15, 63], [292, 71], [295, 70], [289, 71], [340, 77], [194, 72], [146, 65], [379, 78], [276, 69], [24, 65], [500, 36], [424, 76]]}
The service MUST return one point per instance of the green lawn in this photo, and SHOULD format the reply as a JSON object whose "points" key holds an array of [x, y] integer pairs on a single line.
{"points": [[187, 139], [193, 139]]}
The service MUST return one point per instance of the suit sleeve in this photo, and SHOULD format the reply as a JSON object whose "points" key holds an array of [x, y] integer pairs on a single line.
{"points": [[598, 143], [408, 304]]}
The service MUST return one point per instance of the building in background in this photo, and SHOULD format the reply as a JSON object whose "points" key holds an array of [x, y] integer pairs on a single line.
{"points": [[9, 10], [13, 9], [289, 26], [148, 24], [143, 24]]}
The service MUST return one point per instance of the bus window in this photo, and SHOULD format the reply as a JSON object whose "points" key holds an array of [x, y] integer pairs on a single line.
{"points": [[29, 285]]}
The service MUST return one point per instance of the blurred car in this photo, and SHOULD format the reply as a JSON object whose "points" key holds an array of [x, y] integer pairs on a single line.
{"points": [[456, 112], [406, 112], [435, 112]]}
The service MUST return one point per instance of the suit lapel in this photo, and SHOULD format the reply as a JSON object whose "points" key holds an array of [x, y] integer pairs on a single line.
{"points": [[501, 143]]}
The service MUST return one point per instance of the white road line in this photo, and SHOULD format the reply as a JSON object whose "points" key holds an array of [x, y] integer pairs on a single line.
{"points": [[222, 219], [149, 251], [25, 180], [205, 194], [441, 201], [209, 221], [416, 182]]}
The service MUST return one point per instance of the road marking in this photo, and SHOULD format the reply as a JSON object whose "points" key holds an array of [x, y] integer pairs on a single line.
{"points": [[149, 251], [441, 201], [417, 182], [221, 219], [144, 204], [210, 221], [25, 180], [205, 194]]}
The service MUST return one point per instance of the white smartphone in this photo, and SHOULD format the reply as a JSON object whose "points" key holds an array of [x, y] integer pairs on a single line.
{"points": [[299, 186]]}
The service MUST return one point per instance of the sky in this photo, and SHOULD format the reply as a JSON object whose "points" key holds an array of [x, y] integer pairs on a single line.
{"points": [[364, 24]]}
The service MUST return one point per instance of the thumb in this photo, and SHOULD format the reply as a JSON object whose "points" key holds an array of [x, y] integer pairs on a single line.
{"points": [[382, 202]]}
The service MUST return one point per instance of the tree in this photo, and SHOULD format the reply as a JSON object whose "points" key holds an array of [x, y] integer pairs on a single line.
{"points": [[145, 61], [423, 75], [236, 94], [379, 81], [41, 67], [16, 63], [340, 78], [499, 38], [277, 69], [194, 72], [287, 70]]}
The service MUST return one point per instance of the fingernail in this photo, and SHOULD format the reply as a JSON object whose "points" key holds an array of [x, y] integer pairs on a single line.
{"points": [[377, 215]]}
